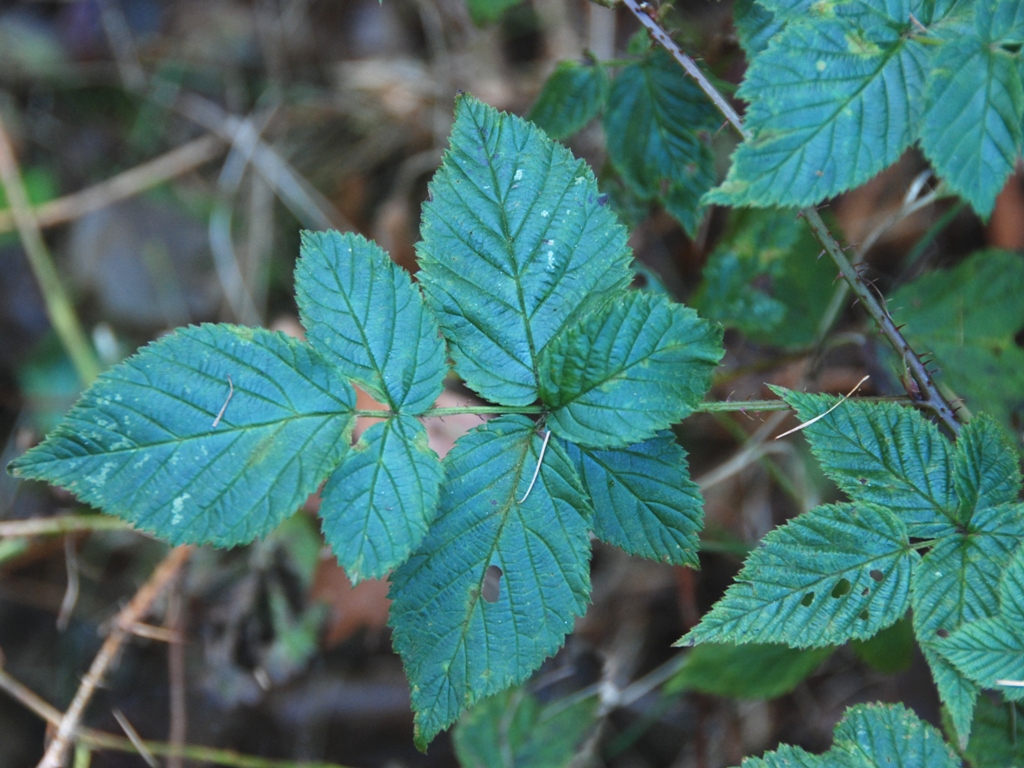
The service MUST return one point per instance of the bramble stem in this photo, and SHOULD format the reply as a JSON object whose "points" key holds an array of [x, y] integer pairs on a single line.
{"points": [[929, 396]]}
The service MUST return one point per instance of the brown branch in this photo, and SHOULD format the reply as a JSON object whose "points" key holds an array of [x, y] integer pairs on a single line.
{"points": [[177, 162], [928, 395], [131, 614]]}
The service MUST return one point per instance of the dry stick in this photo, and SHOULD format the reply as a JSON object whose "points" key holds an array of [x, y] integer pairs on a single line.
{"points": [[177, 729], [129, 615], [98, 740], [58, 305], [930, 397], [152, 173], [58, 526]]}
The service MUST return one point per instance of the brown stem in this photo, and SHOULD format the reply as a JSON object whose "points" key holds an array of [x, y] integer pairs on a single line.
{"points": [[928, 395], [128, 616]]}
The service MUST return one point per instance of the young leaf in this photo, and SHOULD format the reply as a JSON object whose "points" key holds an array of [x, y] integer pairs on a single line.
{"points": [[884, 454], [653, 124], [571, 97], [377, 505], [515, 730], [832, 574], [626, 371], [957, 582], [644, 501], [833, 101], [974, 104], [751, 671], [517, 244], [992, 649], [968, 317], [361, 307], [986, 468], [214, 434], [460, 643]]}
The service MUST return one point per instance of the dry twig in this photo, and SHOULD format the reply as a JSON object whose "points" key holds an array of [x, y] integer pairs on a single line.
{"points": [[128, 616]]}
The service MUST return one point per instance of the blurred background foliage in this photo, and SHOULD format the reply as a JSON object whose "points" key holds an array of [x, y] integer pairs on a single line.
{"points": [[172, 150]]}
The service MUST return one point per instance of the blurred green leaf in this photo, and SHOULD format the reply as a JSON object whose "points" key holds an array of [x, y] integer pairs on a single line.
{"points": [[891, 650], [752, 671], [571, 97]]}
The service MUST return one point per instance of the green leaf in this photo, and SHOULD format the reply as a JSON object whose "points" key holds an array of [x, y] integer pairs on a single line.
{"points": [[766, 279], [145, 443], [986, 468], [571, 97], [991, 650], [752, 671], [1002, 20], [884, 454], [957, 582], [515, 730], [755, 26], [362, 308], [967, 318], [971, 126], [833, 100], [871, 736], [627, 371], [488, 11], [891, 735], [891, 650], [460, 643], [517, 244], [836, 573], [644, 501], [995, 742], [653, 123], [377, 505]]}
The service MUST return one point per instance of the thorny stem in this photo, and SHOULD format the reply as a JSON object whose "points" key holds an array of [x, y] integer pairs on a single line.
{"points": [[928, 395]]}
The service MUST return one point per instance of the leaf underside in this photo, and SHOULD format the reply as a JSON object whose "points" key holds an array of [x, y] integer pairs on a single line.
{"points": [[457, 645], [142, 442]]}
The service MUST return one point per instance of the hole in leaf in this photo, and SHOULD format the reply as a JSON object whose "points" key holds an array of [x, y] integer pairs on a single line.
{"points": [[491, 589], [841, 588], [863, 615], [942, 632], [876, 574], [864, 592], [1018, 338], [862, 480], [808, 599]]}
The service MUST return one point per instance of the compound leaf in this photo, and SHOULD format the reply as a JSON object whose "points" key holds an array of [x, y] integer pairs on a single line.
{"points": [[644, 501], [653, 123], [833, 100], [377, 505], [213, 434], [884, 454], [991, 650], [971, 126], [517, 244], [957, 582], [968, 317], [360, 306], [498, 580], [833, 574], [571, 97], [515, 730], [627, 371]]}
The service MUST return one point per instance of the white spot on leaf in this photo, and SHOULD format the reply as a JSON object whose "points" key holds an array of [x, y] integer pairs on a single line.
{"points": [[519, 175], [177, 506]]}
